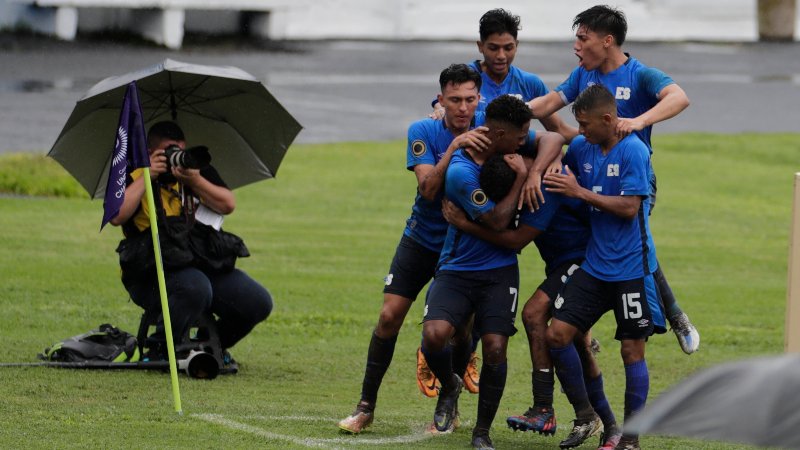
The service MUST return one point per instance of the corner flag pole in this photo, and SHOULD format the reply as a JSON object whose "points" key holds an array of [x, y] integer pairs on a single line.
{"points": [[162, 290], [130, 152], [792, 331]]}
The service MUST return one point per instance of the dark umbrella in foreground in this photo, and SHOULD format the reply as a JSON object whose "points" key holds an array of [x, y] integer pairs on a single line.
{"points": [[223, 108], [754, 401]]}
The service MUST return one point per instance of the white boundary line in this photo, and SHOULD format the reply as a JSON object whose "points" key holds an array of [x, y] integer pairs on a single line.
{"points": [[309, 442]]}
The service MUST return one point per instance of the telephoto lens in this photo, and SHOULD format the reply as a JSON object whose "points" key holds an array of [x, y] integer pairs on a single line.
{"points": [[193, 158]]}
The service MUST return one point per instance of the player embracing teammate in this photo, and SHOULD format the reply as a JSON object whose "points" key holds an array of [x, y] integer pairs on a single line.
{"points": [[608, 174]]}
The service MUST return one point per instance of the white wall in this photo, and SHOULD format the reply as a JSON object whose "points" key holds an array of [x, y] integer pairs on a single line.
{"points": [[715, 20]]}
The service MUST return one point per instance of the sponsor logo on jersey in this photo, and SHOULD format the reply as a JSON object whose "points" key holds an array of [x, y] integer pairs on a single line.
{"points": [[587, 167], [479, 197], [418, 148]]}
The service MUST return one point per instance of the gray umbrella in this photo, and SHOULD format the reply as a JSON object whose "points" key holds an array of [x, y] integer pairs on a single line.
{"points": [[224, 108], [755, 401]]}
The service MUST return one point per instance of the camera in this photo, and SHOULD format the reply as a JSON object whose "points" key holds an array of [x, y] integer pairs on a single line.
{"points": [[191, 158]]}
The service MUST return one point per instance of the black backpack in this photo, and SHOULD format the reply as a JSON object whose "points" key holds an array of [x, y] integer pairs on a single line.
{"points": [[107, 343]]}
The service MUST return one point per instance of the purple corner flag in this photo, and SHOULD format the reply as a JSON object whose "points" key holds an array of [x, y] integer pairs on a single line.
{"points": [[130, 152]]}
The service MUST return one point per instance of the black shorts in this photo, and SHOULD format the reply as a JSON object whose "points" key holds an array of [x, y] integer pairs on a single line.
{"points": [[412, 268], [585, 299], [491, 294], [556, 278]]}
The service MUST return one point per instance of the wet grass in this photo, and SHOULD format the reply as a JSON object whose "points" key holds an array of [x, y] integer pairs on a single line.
{"points": [[322, 235]]}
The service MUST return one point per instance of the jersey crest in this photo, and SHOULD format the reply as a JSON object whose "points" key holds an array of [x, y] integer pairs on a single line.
{"points": [[479, 197], [418, 148]]}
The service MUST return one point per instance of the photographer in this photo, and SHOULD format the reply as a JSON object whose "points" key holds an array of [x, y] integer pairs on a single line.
{"points": [[187, 200]]}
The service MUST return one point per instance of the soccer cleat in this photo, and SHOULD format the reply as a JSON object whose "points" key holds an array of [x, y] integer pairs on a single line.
{"points": [[426, 380], [472, 376], [541, 419], [581, 431], [445, 417], [610, 438], [687, 334], [481, 441], [431, 429], [628, 443], [360, 419]]}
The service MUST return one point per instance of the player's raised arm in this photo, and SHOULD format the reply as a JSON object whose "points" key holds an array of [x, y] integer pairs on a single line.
{"points": [[672, 100]]}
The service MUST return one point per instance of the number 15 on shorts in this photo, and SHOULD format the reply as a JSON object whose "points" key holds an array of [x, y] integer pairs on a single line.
{"points": [[631, 305]]}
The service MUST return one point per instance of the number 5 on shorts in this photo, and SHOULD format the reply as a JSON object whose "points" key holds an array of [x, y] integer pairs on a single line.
{"points": [[631, 306]]}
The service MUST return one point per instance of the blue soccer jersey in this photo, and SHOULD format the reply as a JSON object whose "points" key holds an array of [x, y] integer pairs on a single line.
{"points": [[518, 83], [463, 251], [619, 249], [428, 140], [565, 229], [634, 85]]}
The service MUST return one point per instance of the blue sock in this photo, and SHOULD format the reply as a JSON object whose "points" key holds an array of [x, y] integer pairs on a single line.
{"points": [[597, 397], [637, 384], [570, 373], [441, 364]]}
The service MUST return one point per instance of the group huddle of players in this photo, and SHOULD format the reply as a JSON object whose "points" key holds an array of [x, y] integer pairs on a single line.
{"points": [[488, 185]]}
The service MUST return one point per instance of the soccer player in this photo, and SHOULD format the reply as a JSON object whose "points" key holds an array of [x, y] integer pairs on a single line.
{"points": [[560, 230], [644, 95], [613, 174], [475, 276], [498, 29], [431, 144]]}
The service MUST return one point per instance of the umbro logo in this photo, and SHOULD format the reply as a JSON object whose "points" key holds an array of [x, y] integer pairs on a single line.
{"points": [[587, 167]]}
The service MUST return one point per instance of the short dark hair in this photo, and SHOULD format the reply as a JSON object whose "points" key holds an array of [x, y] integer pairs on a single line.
{"points": [[508, 109], [604, 19], [457, 74], [496, 178], [593, 97], [164, 130], [498, 21]]}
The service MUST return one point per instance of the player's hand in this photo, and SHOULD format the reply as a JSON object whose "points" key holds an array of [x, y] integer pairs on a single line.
{"points": [[554, 167], [628, 126], [531, 194], [452, 213], [158, 163], [475, 139], [516, 162], [562, 183], [438, 112]]}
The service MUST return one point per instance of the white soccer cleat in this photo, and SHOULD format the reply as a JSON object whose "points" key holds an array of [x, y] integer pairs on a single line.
{"points": [[687, 334]]}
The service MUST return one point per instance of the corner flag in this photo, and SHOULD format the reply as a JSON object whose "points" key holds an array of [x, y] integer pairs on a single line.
{"points": [[130, 149]]}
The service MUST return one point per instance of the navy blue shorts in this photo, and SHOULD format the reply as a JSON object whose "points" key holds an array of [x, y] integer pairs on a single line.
{"points": [[491, 294], [585, 299], [557, 277], [412, 268]]}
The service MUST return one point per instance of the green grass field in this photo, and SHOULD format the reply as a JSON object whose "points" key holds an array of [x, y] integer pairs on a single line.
{"points": [[322, 235]]}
